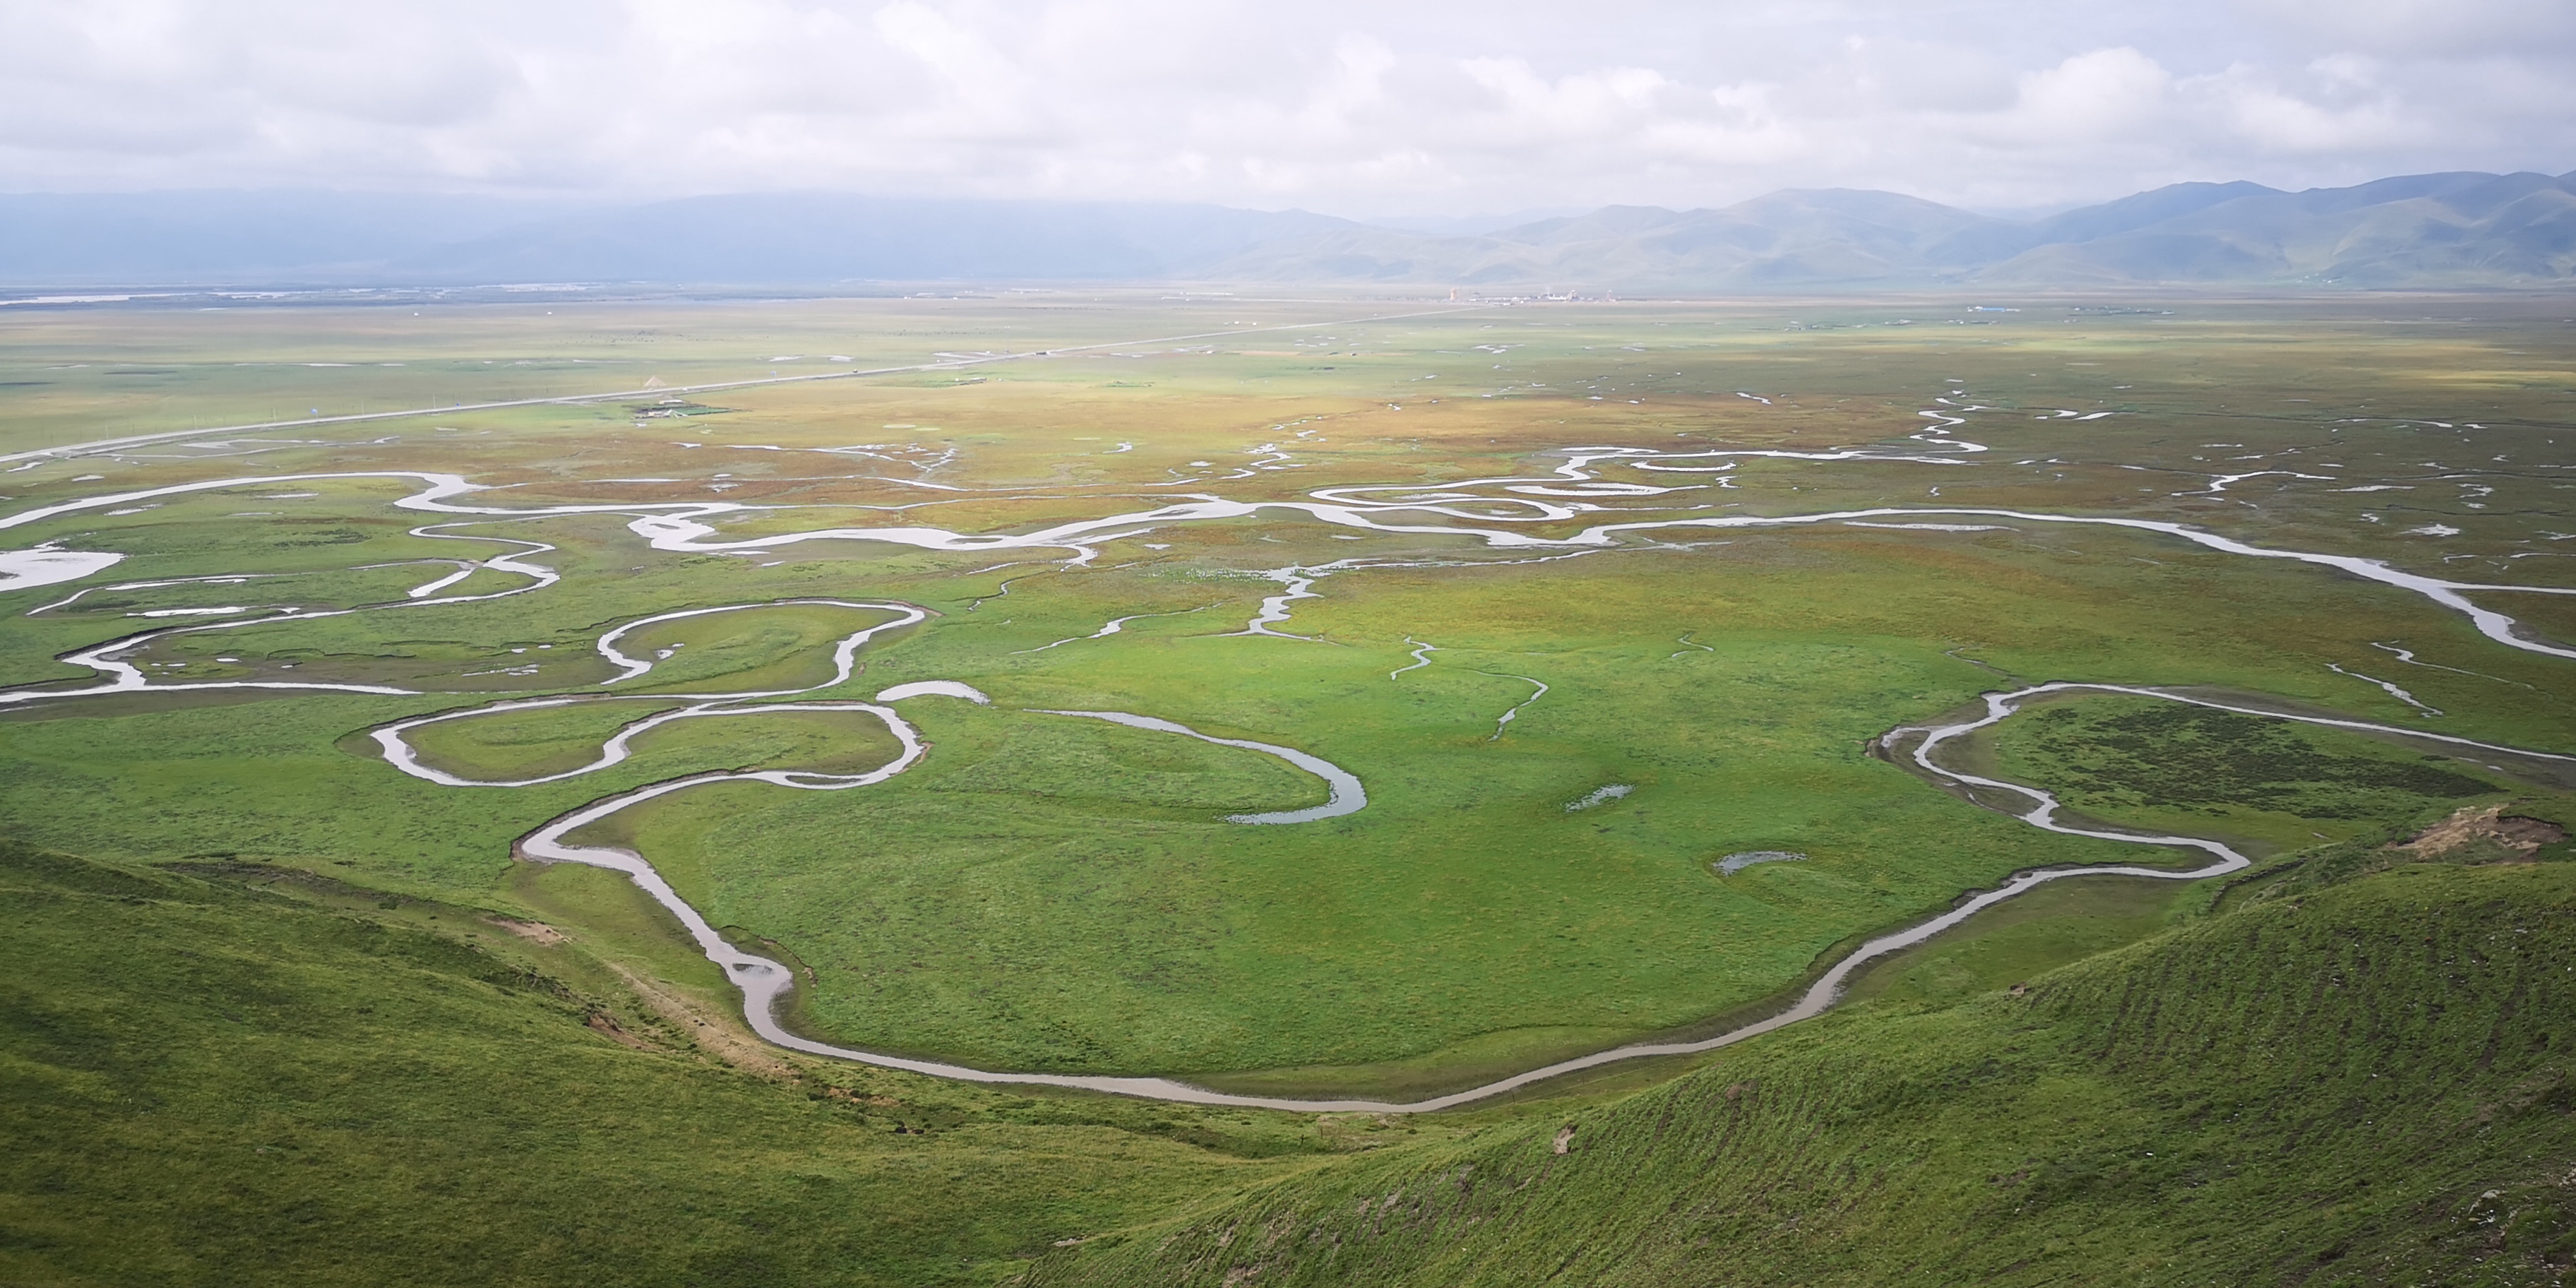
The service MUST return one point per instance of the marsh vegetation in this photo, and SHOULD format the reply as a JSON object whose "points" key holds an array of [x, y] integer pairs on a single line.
{"points": [[1710, 556]]}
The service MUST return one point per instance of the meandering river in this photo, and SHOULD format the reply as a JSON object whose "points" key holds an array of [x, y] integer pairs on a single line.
{"points": [[1495, 513]]}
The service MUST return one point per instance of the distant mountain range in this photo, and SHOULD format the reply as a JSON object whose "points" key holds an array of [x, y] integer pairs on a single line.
{"points": [[2422, 230], [2435, 230]]}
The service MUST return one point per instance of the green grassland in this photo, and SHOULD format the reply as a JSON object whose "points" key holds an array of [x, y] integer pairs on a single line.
{"points": [[226, 1079], [1050, 896], [771, 649], [2365, 1085], [228, 1073], [2271, 783], [522, 744], [1048, 893]]}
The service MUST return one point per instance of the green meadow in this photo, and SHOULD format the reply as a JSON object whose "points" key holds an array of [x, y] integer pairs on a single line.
{"points": [[2361, 1086], [1559, 744]]}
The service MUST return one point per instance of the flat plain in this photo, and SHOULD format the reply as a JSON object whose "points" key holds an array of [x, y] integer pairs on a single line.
{"points": [[1593, 599]]}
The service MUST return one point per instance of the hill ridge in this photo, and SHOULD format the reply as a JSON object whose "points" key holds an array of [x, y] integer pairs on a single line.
{"points": [[2360, 1083], [2438, 230]]}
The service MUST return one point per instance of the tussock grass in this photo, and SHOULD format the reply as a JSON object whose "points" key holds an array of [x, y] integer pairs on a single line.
{"points": [[246, 1076], [2367, 1084]]}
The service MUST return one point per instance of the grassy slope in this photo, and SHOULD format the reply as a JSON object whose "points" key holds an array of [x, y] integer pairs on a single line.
{"points": [[204, 1083], [2359, 1083]]}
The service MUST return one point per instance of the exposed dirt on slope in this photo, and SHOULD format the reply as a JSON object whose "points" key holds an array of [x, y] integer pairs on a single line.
{"points": [[2490, 825], [715, 1032]]}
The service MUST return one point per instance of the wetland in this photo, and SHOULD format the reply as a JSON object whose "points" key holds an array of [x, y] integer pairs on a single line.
{"points": [[1536, 705]]}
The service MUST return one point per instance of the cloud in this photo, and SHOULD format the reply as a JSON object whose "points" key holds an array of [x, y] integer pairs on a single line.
{"points": [[2344, 111], [1432, 106], [2101, 94]]}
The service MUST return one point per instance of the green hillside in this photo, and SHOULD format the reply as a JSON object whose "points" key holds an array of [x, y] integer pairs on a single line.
{"points": [[2352, 1073], [208, 1082], [2362, 1081]]}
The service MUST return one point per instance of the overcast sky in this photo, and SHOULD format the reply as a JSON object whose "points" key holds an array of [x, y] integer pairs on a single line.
{"points": [[1391, 107]]}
